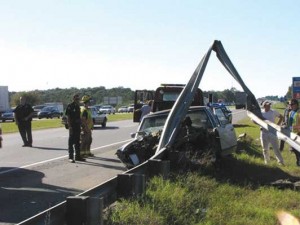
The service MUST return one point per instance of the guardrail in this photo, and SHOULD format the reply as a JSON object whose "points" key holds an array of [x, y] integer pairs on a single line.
{"points": [[89, 205], [86, 208]]}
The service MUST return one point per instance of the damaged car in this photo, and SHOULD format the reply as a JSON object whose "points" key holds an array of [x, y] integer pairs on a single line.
{"points": [[202, 131]]}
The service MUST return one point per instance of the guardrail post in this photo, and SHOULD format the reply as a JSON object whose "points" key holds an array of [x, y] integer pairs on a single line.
{"points": [[130, 184], [95, 211], [159, 167], [77, 208]]}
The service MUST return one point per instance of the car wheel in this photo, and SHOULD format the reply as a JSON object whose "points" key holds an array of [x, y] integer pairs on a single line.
{"points": [[3, 120], [104, 123]]}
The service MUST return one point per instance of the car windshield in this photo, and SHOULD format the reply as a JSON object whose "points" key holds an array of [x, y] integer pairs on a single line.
{"points": [[154, 124], [46, 109]]}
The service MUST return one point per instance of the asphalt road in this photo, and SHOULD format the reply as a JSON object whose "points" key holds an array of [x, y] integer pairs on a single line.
{"points": [[34, 179]]}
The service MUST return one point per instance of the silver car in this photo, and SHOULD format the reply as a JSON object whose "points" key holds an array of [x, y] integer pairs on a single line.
{"points": [[98, 118], [201, 130]]}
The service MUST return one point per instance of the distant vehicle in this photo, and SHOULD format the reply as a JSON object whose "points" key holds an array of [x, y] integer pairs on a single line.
{"points": [[208, 130], [4, 99], [123, 109], [98, 118], [97, 107], [240, 100], [107, 109], [49, 112], [58, 105], [130, 108], [8, 115], [37, 109], [163, 98]]}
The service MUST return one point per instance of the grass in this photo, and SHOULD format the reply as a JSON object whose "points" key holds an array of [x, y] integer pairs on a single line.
{"points": [[10, 127], [238, 192]]}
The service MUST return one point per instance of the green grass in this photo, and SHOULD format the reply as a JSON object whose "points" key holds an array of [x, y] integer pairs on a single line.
{"points": [[10, 127], [238, 192]]}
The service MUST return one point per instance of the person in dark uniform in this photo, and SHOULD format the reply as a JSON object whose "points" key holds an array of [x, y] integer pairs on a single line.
{"points": [[74, 123], [23, 116]]}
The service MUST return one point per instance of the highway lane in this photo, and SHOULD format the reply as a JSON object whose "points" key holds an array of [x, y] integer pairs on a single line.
{"points": [[33, 179]]}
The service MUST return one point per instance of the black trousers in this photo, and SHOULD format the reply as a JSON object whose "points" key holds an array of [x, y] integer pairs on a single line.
{"points": [[297, 154], [74, 141], [25, 132]]}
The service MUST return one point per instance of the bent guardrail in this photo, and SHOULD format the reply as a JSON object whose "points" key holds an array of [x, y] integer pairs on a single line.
{"points": [[129, 183], [281, 133]]}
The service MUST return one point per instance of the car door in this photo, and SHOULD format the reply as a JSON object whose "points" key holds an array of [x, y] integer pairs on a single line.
{"points": [[226, 131], [95, 116]]}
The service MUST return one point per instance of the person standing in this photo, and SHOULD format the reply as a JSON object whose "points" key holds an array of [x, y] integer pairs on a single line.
{"points": [[23, 116], [1, 137], [74, 124], [86, 128], [285, 120], [294, 125], [268, 138], [145, 109]]}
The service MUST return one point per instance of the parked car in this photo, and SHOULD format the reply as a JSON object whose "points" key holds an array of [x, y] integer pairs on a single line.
{"points": [[123, 109], [97, 107], [130, 108], [49, 112], [8, 115], [98, 118], [107, 109], [207, 131], [37, 109]]}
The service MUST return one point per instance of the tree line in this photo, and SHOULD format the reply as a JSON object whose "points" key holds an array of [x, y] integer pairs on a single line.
{"points": [[38, 97]]}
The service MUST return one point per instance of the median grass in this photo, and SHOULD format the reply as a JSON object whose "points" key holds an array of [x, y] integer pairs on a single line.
{"points": [[10, 127], [240, 191]]}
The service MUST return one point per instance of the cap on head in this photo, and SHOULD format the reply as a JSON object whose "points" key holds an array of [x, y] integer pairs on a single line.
{"points": [[85, 98], [266, 102], [76, 97]]}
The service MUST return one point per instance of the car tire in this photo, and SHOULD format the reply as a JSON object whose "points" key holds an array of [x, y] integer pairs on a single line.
{"points": [[104, 123], [3, 120]]}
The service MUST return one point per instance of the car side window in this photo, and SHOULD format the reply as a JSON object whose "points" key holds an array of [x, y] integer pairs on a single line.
{"points": [[221, 116]]}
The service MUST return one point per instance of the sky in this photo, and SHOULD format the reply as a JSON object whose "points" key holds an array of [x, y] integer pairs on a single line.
{"points": [[140, 44]]}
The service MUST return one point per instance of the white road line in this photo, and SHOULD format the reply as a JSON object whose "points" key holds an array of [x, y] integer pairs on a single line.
{"points": [[61, 157]]}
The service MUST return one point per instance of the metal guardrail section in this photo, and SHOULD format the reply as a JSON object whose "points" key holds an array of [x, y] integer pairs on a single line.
{"points": [[283, 134], [56, 215]]}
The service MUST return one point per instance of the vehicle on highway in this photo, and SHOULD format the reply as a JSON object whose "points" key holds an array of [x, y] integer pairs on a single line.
{"points": [[98, 118], [108, 109], [123, 109], [8, 115], [37, 109], [130, 108], [49, 112], [203, 129], [162, 98]]}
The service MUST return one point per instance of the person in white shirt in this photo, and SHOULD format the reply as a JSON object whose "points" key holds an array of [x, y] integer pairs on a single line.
{"points": [[268, 138], [146, 109]]}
